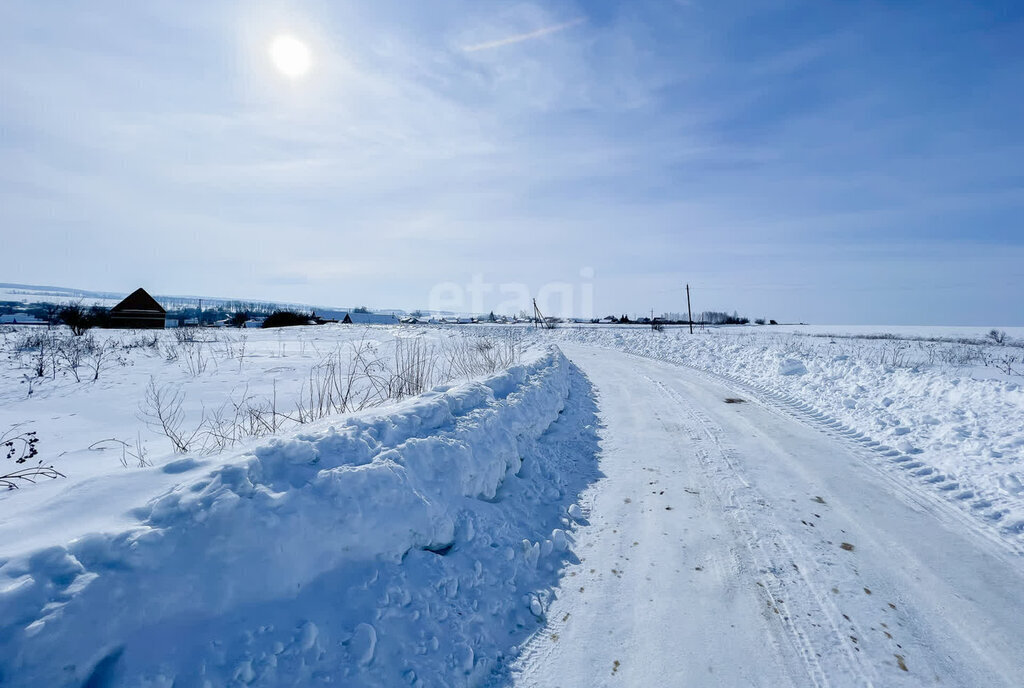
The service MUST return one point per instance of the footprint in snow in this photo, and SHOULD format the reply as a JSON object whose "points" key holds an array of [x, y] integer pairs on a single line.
{"points": [[1012, 483]]}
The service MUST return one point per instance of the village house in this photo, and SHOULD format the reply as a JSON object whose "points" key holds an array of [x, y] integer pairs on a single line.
{"points": [[20, 319], [138, 310], [354, 318]]}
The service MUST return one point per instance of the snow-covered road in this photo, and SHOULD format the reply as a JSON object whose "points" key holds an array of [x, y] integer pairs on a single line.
{"points": [[731, 544]]}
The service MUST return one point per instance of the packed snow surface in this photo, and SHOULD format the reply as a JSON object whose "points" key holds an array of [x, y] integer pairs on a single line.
{"points": [[732, 543], [943, 412]]}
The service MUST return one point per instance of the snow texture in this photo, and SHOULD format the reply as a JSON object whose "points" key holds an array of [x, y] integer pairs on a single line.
{"points": [[412, 547], [735, 544], [948, 429]]}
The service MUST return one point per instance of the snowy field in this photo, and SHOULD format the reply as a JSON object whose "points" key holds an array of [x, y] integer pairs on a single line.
{"points": [[438, 506], [322, 556], [912, 332], [232, 385]]}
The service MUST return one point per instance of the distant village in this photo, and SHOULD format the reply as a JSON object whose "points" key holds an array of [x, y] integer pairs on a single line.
{"points": [[139, 310]]}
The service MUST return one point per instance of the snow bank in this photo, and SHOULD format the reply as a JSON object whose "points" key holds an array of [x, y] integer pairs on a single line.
{"points": [[942, 430], [412, 547]]}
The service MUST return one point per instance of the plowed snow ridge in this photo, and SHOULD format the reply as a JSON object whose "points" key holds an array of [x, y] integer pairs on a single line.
{"points": [[369, 552]]}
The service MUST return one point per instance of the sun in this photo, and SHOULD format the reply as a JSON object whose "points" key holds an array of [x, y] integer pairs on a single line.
{"points": [[290, 56]]}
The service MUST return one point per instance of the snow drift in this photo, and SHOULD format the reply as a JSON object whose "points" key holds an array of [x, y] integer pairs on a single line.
{"points": [[417, 547]]}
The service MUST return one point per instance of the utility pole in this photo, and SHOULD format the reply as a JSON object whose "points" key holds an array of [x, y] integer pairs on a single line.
{"points": [[689, 311], [539, 320]]}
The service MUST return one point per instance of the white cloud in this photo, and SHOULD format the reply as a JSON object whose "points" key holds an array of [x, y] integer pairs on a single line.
{"points": [[527, 36]]}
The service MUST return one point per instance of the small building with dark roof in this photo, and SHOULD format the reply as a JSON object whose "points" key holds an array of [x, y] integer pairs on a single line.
{"points": [[355, 318], [138, 310], [20, 319]]}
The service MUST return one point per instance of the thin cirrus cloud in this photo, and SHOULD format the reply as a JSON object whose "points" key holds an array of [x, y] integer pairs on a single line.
{"points": [[521, 37], [783, 158]]}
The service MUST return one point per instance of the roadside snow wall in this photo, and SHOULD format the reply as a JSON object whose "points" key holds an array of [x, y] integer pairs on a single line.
{"points": [[416, 547]]}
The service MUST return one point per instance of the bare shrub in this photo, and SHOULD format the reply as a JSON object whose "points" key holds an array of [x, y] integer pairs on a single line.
{"points": [[415, 368], [224, 430], [171, 351], [48, 352], [467, 358], [136, 453], [1006, 362], [101, 355], [41, 355], [77, 318], [21, 447], [161, 411], [894, 354], [997, 336], [241, 351], [353, 377], [345, 381], [191, 335], [24, 340], [30, 381], [237, 419], [142, 341], [229, 348], [35, 350], [183, 335], [194, 358], [71, 351], [960, 355]]}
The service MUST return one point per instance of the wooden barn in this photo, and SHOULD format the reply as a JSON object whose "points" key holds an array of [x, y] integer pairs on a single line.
{"points": [[138, 310]]}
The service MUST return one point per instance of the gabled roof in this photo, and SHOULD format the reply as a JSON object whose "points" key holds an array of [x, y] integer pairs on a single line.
{"points": [[20, 319], [370, 318], [138, 300]]}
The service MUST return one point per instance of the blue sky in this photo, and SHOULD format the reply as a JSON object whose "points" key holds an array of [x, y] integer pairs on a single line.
{"points": [[830, 162]]}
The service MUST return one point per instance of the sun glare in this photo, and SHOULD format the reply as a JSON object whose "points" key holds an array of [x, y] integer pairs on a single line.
{"points": [[290, 56]]}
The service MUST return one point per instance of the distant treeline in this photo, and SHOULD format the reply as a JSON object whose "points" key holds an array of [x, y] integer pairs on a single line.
{"points": [[237, 313], [189, 307], [722, 318], [705, 318], [177, 309], [36, 310]]}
